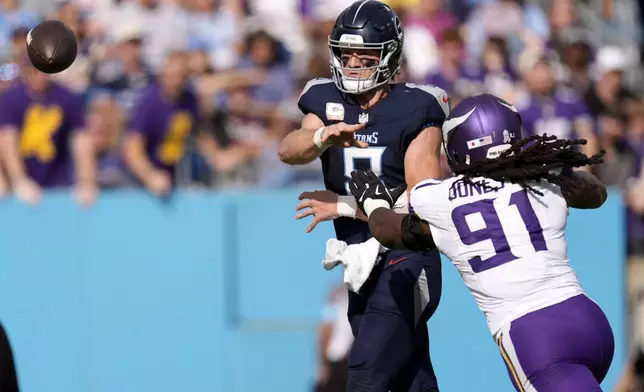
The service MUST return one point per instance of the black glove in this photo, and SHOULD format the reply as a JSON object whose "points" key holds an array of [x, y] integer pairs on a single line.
{"points": [[368, 189]]}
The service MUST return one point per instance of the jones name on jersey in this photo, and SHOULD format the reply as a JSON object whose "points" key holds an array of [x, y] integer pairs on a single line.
{"points": [[507, 242]]}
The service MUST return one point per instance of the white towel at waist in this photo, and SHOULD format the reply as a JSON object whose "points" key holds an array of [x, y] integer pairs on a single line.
{"points": [[358, 260]]}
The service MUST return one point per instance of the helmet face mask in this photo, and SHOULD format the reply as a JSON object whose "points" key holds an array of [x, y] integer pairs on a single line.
{"points": [[358, 80], [365, 47]]}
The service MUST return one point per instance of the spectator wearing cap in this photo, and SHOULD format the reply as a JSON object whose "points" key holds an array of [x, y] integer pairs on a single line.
{"points": [[608, 92], [126, 74], [551, 109]]}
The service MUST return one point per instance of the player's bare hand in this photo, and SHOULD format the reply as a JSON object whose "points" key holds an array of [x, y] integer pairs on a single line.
{"points": [[27, 191], [323, 205], [85, 195], [342, 135], [159, 183]]}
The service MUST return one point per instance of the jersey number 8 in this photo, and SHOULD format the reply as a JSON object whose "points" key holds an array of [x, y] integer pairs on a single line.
{"points": [[362, 159], [493, 231]]}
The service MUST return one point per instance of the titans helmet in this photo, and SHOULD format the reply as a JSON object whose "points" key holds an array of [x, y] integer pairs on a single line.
{"points": [[366, 25], [478, 128]]}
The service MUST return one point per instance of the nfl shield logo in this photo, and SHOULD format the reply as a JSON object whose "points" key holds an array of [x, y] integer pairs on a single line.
{"points": [[363, 118]]}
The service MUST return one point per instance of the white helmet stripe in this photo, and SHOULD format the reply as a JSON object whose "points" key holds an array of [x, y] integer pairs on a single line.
{"points": [[358, 11], [455, 122]]}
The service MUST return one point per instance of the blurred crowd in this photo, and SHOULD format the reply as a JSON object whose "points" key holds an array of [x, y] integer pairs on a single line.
{"points": [[150, 72], [198, 93]]}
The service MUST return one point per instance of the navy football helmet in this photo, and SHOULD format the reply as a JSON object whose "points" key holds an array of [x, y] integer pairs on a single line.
{"points": [[366, 25], [478, 128]]}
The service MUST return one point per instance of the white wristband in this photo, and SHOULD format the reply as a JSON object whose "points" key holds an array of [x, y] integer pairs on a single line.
{"points": [[370, 205], [347, 206], [317, 139]]}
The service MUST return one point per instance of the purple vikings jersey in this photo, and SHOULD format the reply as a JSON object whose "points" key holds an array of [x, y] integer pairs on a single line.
{"points": [[556, 115], [509, 246], [44, 124], [391, 126], [165, 125]]}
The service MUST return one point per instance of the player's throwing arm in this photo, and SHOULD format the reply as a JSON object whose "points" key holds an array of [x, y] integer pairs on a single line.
{"points": [[304, 145]]}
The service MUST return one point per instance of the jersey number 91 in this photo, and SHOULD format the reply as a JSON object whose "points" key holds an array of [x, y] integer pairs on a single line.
{"points": [[493, 231]]}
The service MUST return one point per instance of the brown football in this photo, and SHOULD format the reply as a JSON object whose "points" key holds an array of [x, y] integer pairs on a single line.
{"points": [[52, 46]]}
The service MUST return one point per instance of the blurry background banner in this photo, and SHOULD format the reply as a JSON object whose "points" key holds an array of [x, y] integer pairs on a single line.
{"points": [[200, 294]]}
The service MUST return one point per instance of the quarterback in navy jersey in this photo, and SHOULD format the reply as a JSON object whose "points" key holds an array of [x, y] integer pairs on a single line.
{"points": [[360, 119]]}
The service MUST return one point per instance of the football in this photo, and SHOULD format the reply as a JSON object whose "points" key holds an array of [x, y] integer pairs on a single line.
{"points": [[51, 46]]}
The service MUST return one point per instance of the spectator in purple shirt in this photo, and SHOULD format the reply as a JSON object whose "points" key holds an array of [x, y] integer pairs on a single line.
{"points": [[42, 139], [162, 121]]}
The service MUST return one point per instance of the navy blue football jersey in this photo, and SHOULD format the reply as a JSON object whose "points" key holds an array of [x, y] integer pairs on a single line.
{"points": [[392, 125]]}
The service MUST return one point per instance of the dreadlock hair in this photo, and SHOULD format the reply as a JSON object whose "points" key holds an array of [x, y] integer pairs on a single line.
{"points": [[535, 162]]}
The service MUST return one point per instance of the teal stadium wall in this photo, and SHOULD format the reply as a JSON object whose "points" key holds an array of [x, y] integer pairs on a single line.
{"points": [[220, 292]]}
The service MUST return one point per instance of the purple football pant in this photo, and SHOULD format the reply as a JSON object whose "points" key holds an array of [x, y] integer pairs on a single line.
{"points": [[566, 347]]}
